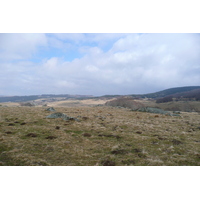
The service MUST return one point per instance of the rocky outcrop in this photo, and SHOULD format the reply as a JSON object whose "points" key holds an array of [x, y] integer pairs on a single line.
{"points": [[51, 109], [61, 115], [157, 111]]}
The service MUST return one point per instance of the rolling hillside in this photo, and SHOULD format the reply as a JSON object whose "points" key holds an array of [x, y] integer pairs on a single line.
{"points": [[52, 97]]}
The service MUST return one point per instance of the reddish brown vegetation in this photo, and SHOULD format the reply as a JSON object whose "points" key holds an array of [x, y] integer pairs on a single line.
{"points": [[125, 102]]}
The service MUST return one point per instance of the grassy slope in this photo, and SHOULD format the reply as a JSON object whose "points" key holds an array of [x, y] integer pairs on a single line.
{"points": [[104, 136]]}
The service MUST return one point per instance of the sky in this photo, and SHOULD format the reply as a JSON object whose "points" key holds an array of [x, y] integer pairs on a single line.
{"points": [[97, 63]]}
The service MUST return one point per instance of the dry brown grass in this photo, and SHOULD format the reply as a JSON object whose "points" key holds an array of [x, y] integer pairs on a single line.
{"points": [[103, 136], [77, 103]]}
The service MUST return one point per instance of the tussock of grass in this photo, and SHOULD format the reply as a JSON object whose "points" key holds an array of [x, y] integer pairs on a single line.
{"points": [[104, 136]]}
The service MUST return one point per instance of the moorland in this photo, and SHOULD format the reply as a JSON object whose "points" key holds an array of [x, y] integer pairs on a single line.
{"points": [[103, 131]]}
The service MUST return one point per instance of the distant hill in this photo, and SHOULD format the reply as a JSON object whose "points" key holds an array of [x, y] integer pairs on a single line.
{"points": [[192, 95], [44, 96], [167, 92], [156, 95]]}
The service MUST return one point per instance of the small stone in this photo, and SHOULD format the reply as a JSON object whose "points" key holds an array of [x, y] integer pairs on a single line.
{"points": [[176, 112], [51, 109], [62, 116]]}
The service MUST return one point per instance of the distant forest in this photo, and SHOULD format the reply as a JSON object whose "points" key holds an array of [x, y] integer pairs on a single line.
{"points": [[167, 92], [193, 95]]}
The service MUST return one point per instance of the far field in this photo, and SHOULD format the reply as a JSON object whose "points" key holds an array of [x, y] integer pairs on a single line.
{"points": [[102, 136]]}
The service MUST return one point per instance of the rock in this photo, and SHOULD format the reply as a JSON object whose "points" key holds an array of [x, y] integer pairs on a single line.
{"points": [[157, 110], [176, 112], [153, 110], [176, 115], [27, 104], [51, 109], [56, 115], [61, 115]]}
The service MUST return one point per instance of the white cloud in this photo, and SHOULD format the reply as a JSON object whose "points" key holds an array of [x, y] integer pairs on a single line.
{"points": [[20, 46], [65, 84], [135, 63], [51, 64], [92, 68]]}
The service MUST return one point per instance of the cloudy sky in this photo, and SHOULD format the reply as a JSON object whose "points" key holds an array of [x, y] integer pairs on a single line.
{"points": [[97, 64]]}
